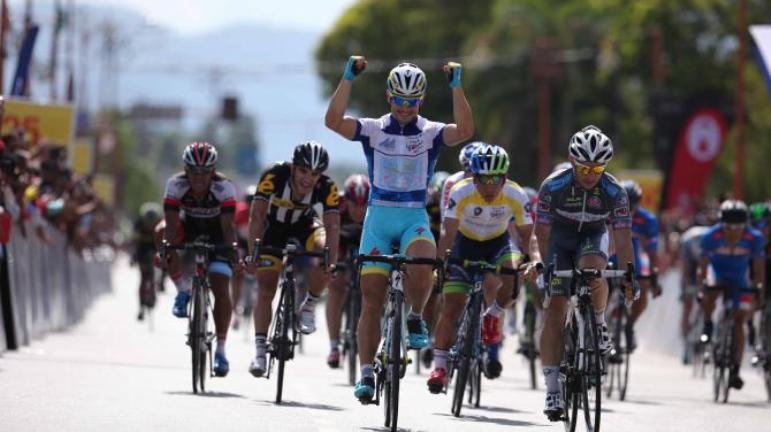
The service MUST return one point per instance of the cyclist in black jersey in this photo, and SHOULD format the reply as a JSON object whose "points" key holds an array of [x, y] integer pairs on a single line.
{"points": [[574, 206], [144, 251], [295, 202], [208, 202], [352, 210]]}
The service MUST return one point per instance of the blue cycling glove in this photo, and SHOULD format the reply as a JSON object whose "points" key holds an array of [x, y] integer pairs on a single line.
{"points": [[352, 70], [454, 73]]}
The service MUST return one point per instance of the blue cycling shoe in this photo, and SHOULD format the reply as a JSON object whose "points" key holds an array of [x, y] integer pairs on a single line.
{"points": [[365, 390], [180, 304], [221, 365], [418, 333]]}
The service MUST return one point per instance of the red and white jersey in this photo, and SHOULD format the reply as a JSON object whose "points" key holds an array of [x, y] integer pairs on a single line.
{"points": [[447, 187], [220, 199]]}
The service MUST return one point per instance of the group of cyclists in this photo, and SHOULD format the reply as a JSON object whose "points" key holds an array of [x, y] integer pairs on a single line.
{"points": [[581, 216]]}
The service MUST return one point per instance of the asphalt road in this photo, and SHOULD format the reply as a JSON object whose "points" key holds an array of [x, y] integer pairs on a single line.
{"points": [[113, 373]]}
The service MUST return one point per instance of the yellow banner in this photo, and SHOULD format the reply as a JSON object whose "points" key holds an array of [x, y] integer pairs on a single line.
{"points": [[82, 156], [651, 182], [104, 186], [40, 122]]}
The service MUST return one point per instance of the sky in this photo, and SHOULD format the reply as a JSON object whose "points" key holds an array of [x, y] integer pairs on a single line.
{"points": [[199, 16]]}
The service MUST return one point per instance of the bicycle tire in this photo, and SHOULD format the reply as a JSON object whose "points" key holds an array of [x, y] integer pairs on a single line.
{"points": [[354, 310], [569, 383], [476, 380], [396, 361], [194, 338], [202, 335], [279, 344], [623, 384], [729, 353], [529, 319], [592, 378], [766, 344], [465, 354]]}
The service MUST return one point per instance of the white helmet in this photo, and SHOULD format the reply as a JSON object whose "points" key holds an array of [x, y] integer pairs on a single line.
{"points": [[464, 157], [406, 80], [591, 145]]}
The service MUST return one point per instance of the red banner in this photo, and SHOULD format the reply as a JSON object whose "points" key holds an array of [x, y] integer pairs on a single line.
{"points": [[698, 146]]}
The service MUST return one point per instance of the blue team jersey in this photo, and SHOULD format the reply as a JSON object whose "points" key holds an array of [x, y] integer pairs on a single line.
{"points": [[645, 232], [400, 160], [731, 264]]}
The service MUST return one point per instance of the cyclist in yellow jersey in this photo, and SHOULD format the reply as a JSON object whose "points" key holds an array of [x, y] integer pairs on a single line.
{"points": [[485, 220]]}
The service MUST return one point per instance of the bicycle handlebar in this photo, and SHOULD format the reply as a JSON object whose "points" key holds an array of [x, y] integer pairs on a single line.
{"points": [[482, 266], [595, 273], [398, 260], [198, 246], [288, 250]]}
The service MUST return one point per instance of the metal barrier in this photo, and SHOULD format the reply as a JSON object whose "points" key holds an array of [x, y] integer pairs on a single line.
{"points": [[46, 287]]}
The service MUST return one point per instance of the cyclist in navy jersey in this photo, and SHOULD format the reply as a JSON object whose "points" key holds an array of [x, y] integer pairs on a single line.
{"points": [[574, 205]]}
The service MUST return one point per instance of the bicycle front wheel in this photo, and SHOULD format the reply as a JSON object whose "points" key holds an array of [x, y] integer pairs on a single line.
{"points": [[592, 374], [530, 352], [281, 342], [394, 365], [469, 330]]}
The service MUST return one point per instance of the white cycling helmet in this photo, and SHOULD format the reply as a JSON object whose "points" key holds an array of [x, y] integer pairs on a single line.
{"points": [[464, 157], [406, 80], [200, 154], [591, 145]]}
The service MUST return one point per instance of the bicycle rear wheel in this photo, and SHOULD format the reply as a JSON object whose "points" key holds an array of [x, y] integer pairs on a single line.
{"points": [[205, 352], [570, 384], [530, 352], [475, 387]]}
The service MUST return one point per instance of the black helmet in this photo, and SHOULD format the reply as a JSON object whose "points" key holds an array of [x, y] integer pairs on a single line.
{"points": [[312, 155], [733, 212], [633, 191]]}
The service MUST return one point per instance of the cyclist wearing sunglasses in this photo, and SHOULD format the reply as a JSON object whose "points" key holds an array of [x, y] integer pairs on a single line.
{"points": [[574, 205], [207, 200], [485, 220], [294, 203], [401, 149], [731, 247]]}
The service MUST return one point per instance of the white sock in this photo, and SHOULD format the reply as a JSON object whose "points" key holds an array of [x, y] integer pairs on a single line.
{"points": [[599, 316], [220, 346], [259, 344], [551, 377], [367, 371], [440, 359], [182, 283], [334, 344], [310, 301], [495, 309]]}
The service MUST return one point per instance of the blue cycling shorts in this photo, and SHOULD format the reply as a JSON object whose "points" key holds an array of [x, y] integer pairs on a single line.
{"points": [[388, 226]]}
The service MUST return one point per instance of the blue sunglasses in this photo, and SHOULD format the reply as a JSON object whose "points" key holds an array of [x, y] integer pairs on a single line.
{"points": [[406, 102]]}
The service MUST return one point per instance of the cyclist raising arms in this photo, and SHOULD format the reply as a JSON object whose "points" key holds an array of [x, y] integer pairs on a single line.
{"points": [[208, 201], [485, 220], [730, 247], [401, 150], [352, 210], [290, 199], [573, 207]]}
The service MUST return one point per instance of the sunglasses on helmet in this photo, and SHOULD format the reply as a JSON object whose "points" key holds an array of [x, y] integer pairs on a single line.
{"points": [[405, 102], [586, 169]]}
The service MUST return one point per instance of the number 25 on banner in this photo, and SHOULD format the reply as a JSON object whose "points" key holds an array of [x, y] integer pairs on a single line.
{"points": [[29, 124]]}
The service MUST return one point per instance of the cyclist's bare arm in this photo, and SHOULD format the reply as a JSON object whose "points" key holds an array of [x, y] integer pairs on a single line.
{"points": [[701, 270], [463, 128], [335, 118], [172, 225], [758, 271], [523, 235], [257, 214], [622, 239], [542, 233], [447, 237], [228, 228], [332, 228]]}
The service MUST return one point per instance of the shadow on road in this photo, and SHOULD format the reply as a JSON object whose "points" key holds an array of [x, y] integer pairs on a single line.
{"points": [[380, 429], [210, 394], [294, 404], [496, 409], [493, 420]]}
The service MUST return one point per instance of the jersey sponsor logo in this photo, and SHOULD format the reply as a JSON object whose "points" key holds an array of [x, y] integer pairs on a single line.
{"points": [[333, 199], [415, 143], [496, 212], [267, 186], [594, 202], [420, 230], [287, 204], [544, 206], [544, 199], [621, 212], [388, 144], [477, 211], [451, 204]]}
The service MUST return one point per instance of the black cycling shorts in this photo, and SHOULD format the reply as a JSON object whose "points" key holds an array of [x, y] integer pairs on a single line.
{"points": [[567, 246]]}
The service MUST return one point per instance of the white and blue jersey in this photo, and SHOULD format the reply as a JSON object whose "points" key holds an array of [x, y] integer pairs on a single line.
{"points": [[731, 264], [400, 160]]}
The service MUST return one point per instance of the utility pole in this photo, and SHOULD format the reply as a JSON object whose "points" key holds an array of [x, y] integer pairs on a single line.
{"points": [[544, 70], [741, 24]]}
